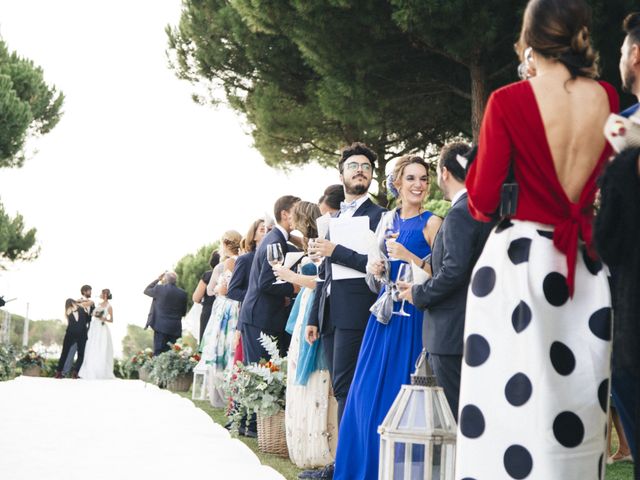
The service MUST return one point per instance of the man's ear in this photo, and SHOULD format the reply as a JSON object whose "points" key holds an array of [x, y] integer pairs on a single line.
{"points": [[634, 55], [444, 174]]}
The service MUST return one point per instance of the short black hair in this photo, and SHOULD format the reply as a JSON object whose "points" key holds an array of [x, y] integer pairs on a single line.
{"points": [[449, 158], [332, 196], [214, 259], [631, 27], [357, 148], [284, 203], [84, 288]]}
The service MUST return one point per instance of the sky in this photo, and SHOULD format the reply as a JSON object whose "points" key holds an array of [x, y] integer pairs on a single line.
{"points": [[135, 175]]}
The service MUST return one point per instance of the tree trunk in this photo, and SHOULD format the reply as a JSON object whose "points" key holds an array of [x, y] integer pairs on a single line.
{"points": [[380, 175], [478, 97]]}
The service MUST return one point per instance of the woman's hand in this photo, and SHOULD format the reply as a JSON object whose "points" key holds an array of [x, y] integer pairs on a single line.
{"points": [[398, 251], [283, 273], [376, 268], [311, 334]]}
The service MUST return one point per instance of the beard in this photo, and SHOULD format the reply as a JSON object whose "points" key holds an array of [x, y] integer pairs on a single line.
{"points": [[628, 81], [357, 189]]}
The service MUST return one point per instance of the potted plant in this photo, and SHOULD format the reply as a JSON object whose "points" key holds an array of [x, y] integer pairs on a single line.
{"points": [[141, 363], [260, 388], [31, 363], [174, 368], [7, 362]]}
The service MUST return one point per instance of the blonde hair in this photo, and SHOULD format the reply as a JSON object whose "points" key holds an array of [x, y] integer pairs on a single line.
{"points": [[398, 170], [231, 240]]}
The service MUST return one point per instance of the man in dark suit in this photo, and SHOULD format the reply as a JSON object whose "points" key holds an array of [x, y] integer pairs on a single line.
{"points": [[88, 305], [341, 307], [456, 249], [266, 305], [78, 318], [168, 307]]}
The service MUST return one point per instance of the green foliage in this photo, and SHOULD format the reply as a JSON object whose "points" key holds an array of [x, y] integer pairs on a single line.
{"points": [[191, 267], [15, 243], [136, 340], [30, 358], [7, 362], [169, 365], [28, 106]]}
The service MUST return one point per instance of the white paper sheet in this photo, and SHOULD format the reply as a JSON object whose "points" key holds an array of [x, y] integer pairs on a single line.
{"points": [[322, 223], [353, 233], [291, 258], [419, 275]]}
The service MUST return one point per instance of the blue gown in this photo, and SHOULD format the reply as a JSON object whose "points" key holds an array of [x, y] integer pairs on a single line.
{"points": [[386, 361]]}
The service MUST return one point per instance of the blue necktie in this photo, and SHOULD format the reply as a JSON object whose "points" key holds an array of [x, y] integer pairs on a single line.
{"points": [[347, 206]]}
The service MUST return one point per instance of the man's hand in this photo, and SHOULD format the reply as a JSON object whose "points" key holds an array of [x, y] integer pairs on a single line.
{"points": [[161, 276], [404, 290], [376, 268], [236, 340], [311, 334], [323, 247]]}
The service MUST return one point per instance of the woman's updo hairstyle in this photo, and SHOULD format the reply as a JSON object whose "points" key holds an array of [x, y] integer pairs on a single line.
{"points": [[231, 240], [457, 157], [304, 219], [107, 292], [559, 30]]}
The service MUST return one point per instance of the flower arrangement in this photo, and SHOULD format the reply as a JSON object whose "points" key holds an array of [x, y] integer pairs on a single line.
{"points": [[30, 358], [258, 387], [178, 360], [142, 359]]}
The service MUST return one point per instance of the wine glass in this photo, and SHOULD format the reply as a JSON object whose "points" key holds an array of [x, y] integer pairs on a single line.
{"points": [[315, 257], [390, 232], [275, 258], [405, 274]]}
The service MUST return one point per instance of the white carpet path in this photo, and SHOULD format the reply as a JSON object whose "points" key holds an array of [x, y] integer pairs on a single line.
{"points": [[114, 429]]}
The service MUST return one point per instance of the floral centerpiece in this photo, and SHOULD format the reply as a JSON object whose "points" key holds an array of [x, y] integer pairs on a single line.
{"points": [[141, 362], [260, 388], [173, 368], [31, 363]]}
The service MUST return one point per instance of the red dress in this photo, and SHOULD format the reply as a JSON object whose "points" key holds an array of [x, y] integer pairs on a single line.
{"points": [[512, 127], [537, 343]]}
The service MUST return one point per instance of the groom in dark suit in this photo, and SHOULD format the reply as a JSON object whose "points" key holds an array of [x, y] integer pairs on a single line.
{"points": [[340, 309], [443, 297], [78, 318], [266, 305], [168, 307]]}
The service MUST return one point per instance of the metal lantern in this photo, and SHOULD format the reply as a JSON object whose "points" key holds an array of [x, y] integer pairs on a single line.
{"points": [[200, 373], [418, 435]]}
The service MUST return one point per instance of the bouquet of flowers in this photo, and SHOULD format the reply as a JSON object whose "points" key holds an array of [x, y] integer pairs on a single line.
{"points": [[179, 360], [258, 387], [30, 358]]}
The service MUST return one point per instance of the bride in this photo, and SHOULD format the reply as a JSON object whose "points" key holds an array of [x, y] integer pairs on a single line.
{"points": [[98, 357]]}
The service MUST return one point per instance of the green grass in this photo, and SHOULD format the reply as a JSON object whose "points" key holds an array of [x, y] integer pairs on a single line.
{"points": [[282, 465], [617, 471]]}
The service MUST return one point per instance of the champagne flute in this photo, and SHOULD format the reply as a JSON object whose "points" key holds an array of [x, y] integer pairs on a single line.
{"points": [[405, 274], [390, 232], [315, 257], [275, 258]]}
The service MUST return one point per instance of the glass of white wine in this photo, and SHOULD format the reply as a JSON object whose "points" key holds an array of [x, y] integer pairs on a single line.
{"points": [[405, 274], [315, 257], [275, 257]]}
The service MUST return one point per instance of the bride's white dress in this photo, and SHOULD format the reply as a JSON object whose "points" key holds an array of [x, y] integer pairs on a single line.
{"points": [[98, 352]]}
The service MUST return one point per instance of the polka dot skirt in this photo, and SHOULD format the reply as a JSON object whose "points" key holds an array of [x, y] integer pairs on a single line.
{"points": [[535, 375]]}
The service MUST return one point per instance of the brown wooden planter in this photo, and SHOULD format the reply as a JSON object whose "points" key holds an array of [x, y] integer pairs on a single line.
{"points": [[272, 435], [31, 371], [181, 383]]}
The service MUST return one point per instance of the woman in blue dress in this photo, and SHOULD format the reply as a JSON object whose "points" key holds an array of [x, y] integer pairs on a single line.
{"points": [[389, 350]]}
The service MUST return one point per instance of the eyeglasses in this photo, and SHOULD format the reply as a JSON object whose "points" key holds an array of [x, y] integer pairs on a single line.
{"points": [[366, 167]]}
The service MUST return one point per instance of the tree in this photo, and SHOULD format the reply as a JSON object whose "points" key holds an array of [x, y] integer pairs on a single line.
{"points": [[28, 108], [191, 267], [398, 75], [135, 340]]}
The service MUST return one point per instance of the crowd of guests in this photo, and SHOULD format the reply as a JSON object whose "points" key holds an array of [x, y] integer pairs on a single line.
{"points": [[513, 305]]}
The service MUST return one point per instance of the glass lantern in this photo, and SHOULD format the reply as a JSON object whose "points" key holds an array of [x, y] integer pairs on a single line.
{"points": [[418, 435], [200, 373]]}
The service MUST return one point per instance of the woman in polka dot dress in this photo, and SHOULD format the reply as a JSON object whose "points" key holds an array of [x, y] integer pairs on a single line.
{"points": [[535, 376]]}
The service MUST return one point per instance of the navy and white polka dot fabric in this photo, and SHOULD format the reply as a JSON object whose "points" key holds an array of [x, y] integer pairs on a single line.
{"points": [[535, 375]]}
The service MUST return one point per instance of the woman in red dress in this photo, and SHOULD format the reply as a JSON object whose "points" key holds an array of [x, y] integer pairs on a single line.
{"points": [[535, 377]]}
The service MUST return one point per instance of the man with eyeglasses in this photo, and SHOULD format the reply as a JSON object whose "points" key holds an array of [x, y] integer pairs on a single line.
{"points": [[341, 307]]}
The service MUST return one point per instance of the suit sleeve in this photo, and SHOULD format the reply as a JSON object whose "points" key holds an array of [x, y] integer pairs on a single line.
{"points": [[488, 172], [266, 279], [237, 285], [349, 258], [151, 290], [456, 262], [313, 320]]}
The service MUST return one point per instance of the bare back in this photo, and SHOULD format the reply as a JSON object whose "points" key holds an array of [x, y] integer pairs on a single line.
{"points": [[573, 117]]}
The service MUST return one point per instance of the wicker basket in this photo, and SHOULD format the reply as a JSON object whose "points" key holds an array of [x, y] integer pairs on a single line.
{"points": [[143, 374], [31, 371], [272, 436], [181, 383]]}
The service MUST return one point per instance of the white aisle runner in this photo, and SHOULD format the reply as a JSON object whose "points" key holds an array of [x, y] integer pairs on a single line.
{"points": [[114, 430]]}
